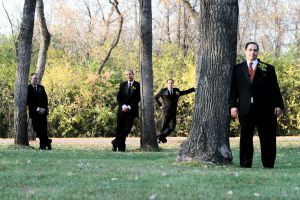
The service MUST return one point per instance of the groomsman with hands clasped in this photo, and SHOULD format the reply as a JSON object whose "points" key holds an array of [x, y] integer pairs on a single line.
{"points": [[255, 99]]}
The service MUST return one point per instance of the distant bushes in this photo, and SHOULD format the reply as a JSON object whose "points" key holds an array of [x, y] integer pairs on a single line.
{"points": [[83, 104]]}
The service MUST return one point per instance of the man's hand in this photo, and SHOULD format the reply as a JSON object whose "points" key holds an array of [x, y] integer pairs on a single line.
{"points": [[125, 108], [41, 111], [278, 111], [234, 112]]}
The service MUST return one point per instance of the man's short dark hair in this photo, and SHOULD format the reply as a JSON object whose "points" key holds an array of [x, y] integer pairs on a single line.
{"points": [[170, 80], [248, 43]]}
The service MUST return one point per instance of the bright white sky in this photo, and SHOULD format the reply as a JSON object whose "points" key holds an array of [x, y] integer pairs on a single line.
{"points": [[14, 8]]}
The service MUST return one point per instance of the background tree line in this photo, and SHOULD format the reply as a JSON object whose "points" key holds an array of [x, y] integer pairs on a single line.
{"points": [[82, 92]]}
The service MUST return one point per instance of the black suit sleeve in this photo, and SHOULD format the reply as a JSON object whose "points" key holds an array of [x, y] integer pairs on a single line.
{"points": [[45, 99], [120, 96], [30, 100], [184, 92], [158, 96], [278, 101]]}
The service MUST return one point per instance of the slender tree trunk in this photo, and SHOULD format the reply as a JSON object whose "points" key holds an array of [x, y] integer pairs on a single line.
{"points": [[179, 13], [23, 58], [148, 135], [279, 31], [136, 20], [185, 46], [167, 7], [44, 41], [209, 135]]}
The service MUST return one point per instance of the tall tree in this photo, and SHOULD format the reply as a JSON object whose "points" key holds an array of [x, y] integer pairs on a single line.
{"points": [[148, 136], [208, 140], [44, 39], [24, 46]]}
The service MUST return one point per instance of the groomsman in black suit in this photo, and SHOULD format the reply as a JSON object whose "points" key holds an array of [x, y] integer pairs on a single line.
{"points": [[256, 100], [37, 102], [170, 97], [128, 98]]}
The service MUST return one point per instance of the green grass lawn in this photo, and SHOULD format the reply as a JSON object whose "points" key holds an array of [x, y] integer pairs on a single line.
{"points": [[83, 171]]}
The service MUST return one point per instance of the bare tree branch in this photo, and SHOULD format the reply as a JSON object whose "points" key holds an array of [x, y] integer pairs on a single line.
{"points": [[44, 39], [12, 30], [117, 38], [107, 22], [192, 12]]}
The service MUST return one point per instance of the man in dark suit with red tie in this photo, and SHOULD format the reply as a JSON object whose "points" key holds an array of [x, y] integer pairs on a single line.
{"points": [[170, 96], [256, 100], [37, 102], [128, 98]]}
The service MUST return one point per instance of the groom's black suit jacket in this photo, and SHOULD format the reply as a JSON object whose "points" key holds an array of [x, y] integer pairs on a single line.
{"points": [[170, 100], [36, 98], [130, 98], [264, 89]]}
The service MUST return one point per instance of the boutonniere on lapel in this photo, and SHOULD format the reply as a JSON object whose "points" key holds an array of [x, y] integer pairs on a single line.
{"points": [[262, 66], [177, 93], [133, 88]]}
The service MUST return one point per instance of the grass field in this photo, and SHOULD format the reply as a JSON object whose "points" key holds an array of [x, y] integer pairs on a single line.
{"points": [[87, 169]]}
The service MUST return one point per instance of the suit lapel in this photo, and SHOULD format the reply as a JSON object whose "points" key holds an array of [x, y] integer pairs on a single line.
{"points": [[246, 72], [126, 87]]}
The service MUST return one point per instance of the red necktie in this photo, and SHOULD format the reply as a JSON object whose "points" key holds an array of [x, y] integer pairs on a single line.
{"points": [[251, 71]]}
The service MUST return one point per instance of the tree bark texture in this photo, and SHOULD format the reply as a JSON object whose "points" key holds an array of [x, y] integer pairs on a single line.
{"points": [[209, 135], [44, 40], [148, 135], [178, 35], [23, 58]]}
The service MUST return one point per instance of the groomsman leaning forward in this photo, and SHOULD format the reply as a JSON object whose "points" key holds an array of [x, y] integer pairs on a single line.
{"points": [[170, 96]]}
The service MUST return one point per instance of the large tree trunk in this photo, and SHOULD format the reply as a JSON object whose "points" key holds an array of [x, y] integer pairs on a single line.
{"points": [[44, 41], [148, 135], [209, 135], [23, 58]]}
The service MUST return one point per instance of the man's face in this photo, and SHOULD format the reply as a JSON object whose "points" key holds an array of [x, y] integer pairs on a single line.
{"points": [[170, 84], [129, 75], [35, 79], [251, 52]]}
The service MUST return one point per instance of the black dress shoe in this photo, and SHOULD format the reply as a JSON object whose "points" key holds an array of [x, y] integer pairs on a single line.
{"points": [[42, 147], [162, 139], [114, 146], [49, 147]]}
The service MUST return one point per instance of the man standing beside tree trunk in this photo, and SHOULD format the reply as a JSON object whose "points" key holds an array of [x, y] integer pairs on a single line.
{"points": [[37, 102], [256, 100], [128, 98]]}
